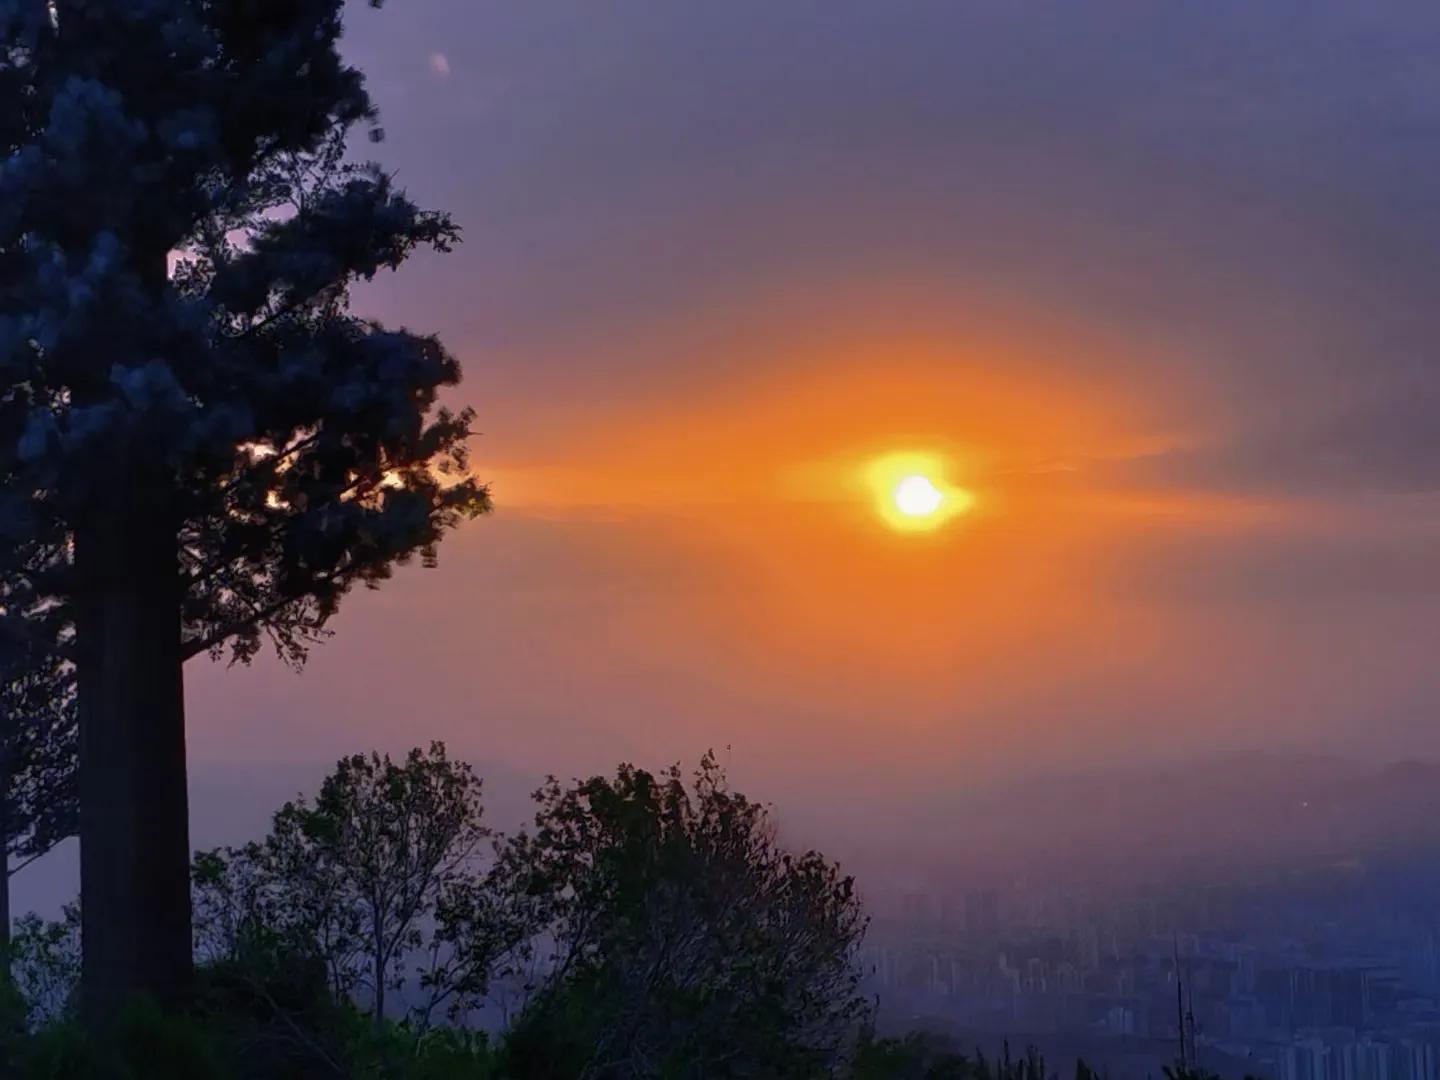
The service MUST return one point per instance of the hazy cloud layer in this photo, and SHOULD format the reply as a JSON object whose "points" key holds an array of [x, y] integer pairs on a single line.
{"points": [[1167, 270]]}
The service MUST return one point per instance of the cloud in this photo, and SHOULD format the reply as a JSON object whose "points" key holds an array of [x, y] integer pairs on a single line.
{"points": [[440, 64]]}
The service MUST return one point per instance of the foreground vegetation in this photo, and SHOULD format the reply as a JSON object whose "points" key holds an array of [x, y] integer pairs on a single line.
{"points": [[643, 926]]}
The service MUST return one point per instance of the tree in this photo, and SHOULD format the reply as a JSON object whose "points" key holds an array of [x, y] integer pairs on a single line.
{"points": [[38, 804], [38, 735], [687, 941], [46, 964], [201, 447], [358, 879]]}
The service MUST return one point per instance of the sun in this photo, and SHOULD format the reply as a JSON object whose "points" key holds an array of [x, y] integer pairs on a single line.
{"points": [[917, 496], [912, 493]]}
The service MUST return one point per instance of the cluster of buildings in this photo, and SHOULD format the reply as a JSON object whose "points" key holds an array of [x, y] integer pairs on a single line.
{"points": [[1333, 977]]}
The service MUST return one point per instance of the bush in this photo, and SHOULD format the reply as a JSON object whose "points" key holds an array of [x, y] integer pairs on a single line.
{"points": [[146, 1042]]}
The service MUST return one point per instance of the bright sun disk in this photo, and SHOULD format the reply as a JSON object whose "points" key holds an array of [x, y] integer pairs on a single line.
{"points": [[917, 496], [912, 490]]}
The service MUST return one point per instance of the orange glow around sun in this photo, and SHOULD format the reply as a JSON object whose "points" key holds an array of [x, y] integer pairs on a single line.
{"points": [[932, 507], [912, 493]]}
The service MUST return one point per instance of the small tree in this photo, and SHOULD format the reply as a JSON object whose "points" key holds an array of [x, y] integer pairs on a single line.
{"points": [[45, 964], [357, 877], [39, 737], [38, 796], [686, 940]]}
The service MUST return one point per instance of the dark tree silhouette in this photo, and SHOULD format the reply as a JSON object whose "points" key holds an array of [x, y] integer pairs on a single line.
{"points": [[684, 939], [356, 879], [38, 736], [38, 798], [200, 445]]}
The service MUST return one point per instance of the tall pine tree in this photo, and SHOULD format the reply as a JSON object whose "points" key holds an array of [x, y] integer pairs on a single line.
{"points": [[201, 446]]}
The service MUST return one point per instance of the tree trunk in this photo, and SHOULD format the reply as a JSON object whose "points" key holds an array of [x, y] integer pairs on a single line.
{"points": [[134, 815], [379, 1003]]}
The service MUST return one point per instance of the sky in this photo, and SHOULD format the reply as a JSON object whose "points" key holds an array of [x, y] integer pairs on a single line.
{"points": [[1155, 283]]}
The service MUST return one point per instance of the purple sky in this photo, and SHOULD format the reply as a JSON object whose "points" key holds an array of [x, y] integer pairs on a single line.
{"points": [[1221, 214], [1162, 276]]}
